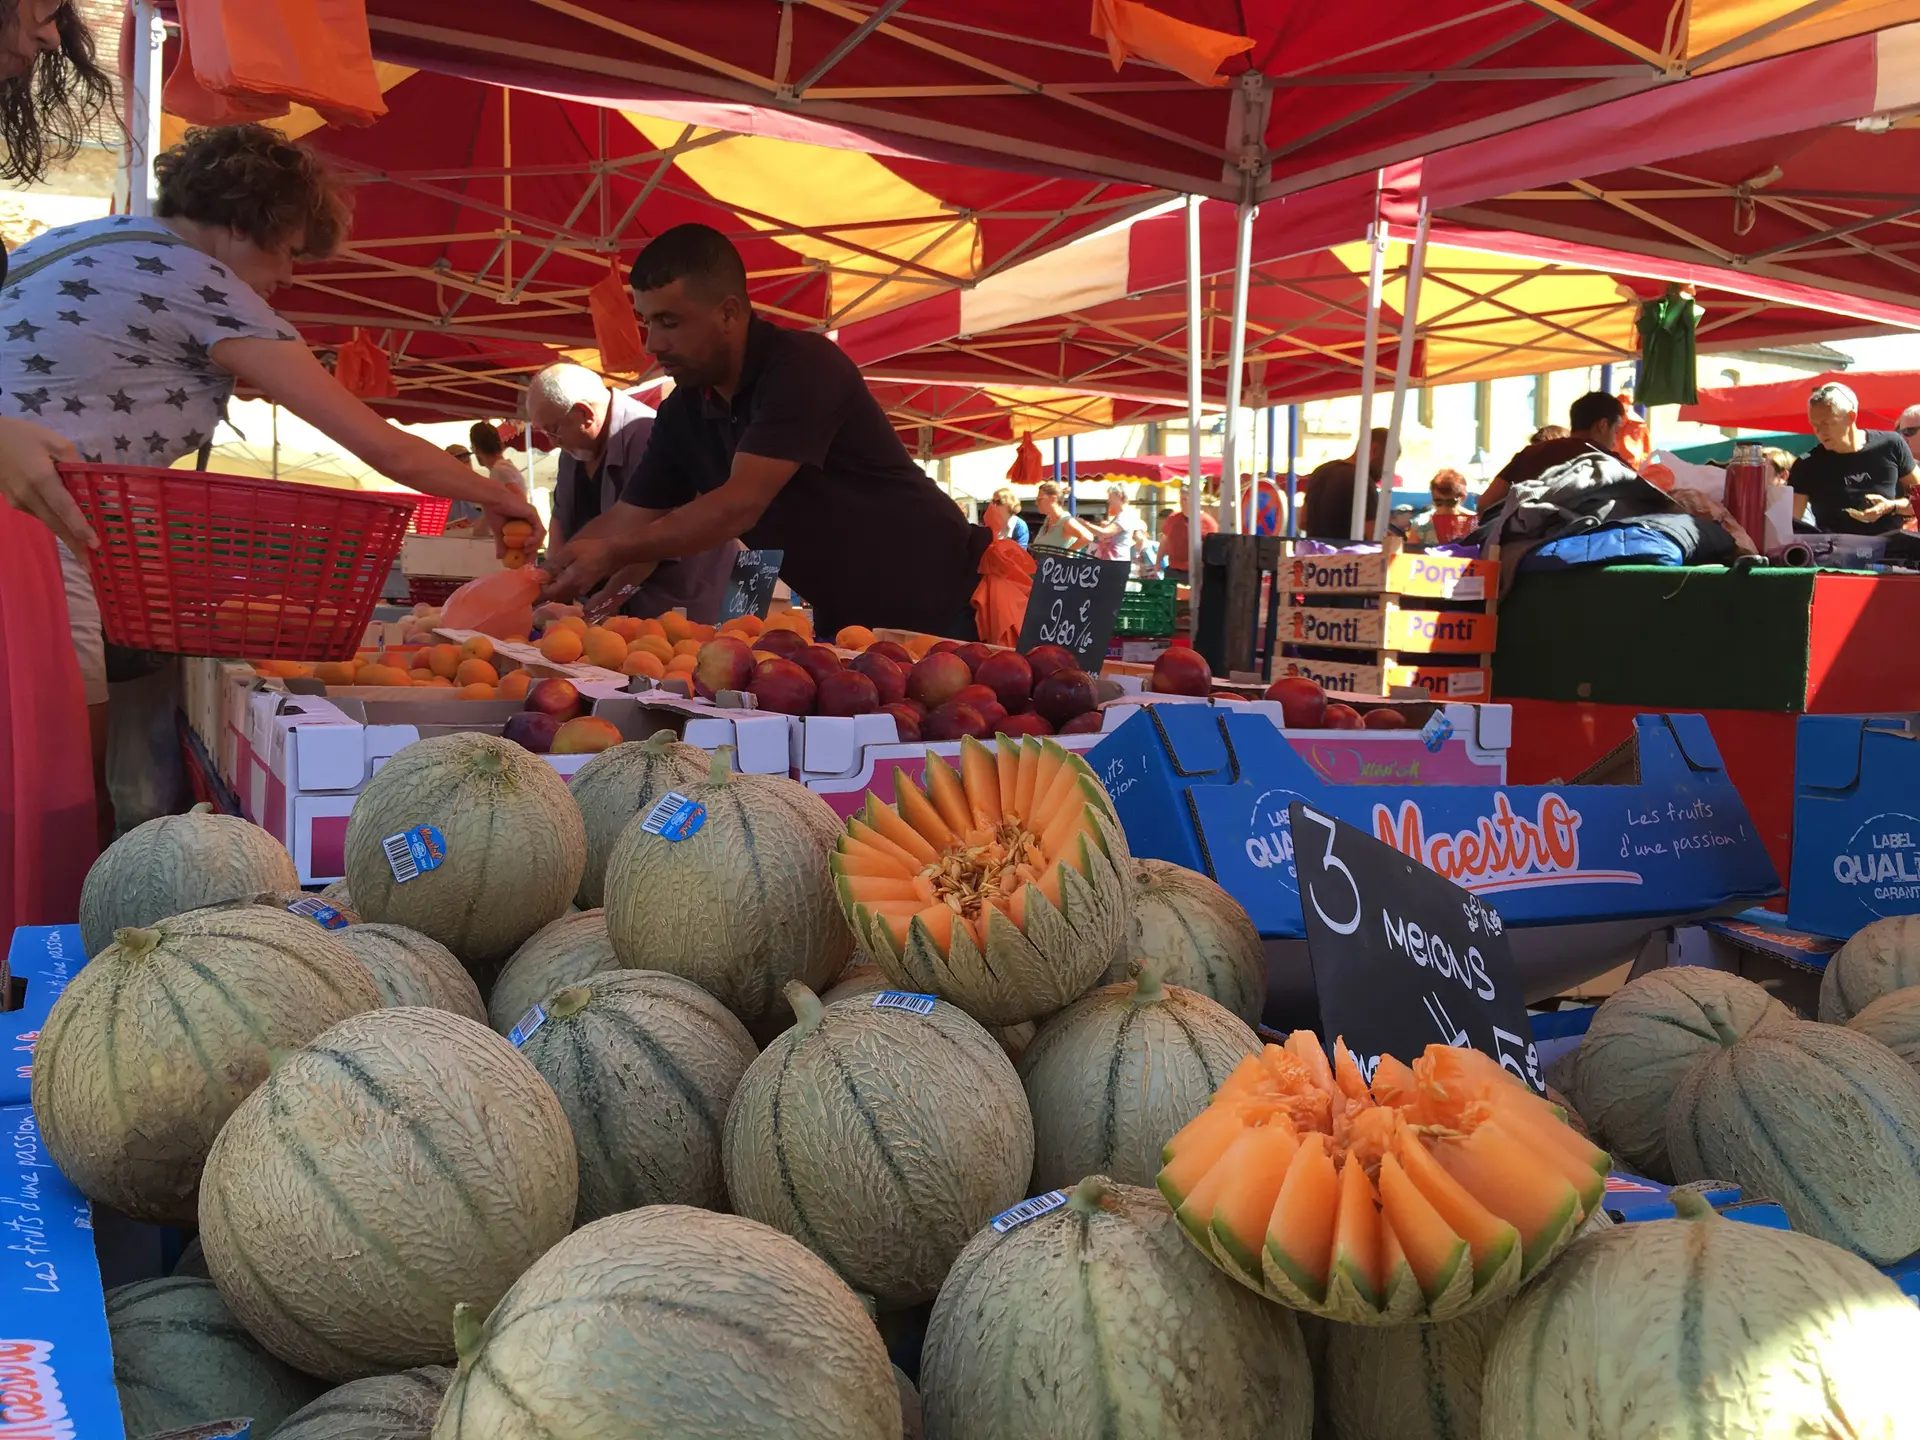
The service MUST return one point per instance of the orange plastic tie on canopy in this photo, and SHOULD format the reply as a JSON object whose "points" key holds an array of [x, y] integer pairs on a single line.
{"points": [[185, 96], [615, 330], [1000, 599], [1131, 28], [362, 368], [1025, 469], [254, 55]]}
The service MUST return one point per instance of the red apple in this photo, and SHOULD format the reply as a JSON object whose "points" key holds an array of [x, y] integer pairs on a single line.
{"points": [[973, 652], [893, 650], [1009, 676], [1087, 723], [782, 686], [1340, 717], [532, 730], [995, 714], [780, 642], [818, 661], [1026, 723], [1182, 670], [557, 698], [938, 678], [955, 722], [585, 735], [1043, 660], [724, 663], [976, 695], [1064, 694], [1387, 719], [1303, 703], [846, 692], [906, 720], [889, 679]]}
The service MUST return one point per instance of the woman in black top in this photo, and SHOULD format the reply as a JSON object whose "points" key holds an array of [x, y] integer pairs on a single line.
{"points": [[1855, 481]]}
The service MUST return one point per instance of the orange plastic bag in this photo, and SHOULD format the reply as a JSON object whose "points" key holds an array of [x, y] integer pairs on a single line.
{"points": [[500, 604], [185, 96], [1130, 28], [362, 368], [615, 330], [310, 52], [1025, 469], [1000, 599]]}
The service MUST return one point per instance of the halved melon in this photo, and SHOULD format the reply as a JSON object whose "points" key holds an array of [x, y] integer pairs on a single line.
{"points": [[1418, 1196], [1002, 886]]}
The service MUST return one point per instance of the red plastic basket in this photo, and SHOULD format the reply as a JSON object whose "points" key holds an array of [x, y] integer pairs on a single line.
{"points": [[197, 564], [430, 515], [431, 589]]}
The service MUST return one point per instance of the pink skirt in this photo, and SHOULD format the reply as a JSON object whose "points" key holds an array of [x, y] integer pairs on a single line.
{"points": [[46, 763]]}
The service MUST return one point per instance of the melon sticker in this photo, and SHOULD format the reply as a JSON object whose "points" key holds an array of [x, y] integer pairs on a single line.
{"points": [[529, 1022], [674, 817], [412, 853], [318, 911], [1018, 1215], [904, 1000]]}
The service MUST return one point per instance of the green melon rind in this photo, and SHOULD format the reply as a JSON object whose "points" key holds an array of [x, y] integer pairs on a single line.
{"points": [[1877, 960], [414, 969], [1198, 935], [1407, 1382], [380, 1407], [178, 863], [618, 784], [566, 952]]}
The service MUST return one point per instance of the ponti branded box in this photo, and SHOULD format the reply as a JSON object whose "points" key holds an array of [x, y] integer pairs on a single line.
{"points": [[1424, 631], [1435, 577]]}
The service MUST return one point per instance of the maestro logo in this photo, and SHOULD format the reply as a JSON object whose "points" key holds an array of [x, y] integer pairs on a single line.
{"points": [[1880, 863], [1269, 844]]}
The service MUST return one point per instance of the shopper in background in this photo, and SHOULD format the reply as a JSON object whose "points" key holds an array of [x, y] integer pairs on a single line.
{"points": [[1449, 519], [1546, 433], [1594, 422], [1120, 534], [492, 455], [465, 514], [1327, 513], [1060, 531], [1176, 538], [1909, 427], [51, 93], [1002, 517], [1856, 482]]}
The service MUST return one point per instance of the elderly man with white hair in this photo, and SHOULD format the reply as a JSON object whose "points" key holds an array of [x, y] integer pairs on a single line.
{"points": [[1854, 479], [602, 434]]}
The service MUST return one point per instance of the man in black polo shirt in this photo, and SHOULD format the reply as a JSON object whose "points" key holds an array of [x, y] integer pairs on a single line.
{"points": [[1857, 482], [772, 436]]}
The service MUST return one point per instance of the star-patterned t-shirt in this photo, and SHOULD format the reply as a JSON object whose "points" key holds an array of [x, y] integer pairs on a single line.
{"points": [[111, 345]]}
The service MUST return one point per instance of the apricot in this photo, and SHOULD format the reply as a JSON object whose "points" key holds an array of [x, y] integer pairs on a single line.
{"points": [[605, 649], [445, 660], [335, 672], [476, 691], [382, 675], [657, 646], [515, 534], [627, 627], [478, 647], [419, 675], [562, 646], [644, 662], [569, 622], [516, 685], [514, 560], [476, 672], [687, 647]]}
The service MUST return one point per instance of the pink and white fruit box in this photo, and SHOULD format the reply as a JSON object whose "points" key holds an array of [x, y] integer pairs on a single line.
{"points": [[881, 762]]}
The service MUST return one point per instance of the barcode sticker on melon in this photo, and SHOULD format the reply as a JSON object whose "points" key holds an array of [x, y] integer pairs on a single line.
{"points": [[904, 1000], [1026, 1210], [674, 817], [318, 911], [529, 1022], [412, 853]]}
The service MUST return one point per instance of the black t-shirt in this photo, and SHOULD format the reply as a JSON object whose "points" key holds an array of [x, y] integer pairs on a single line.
{"points": [[869, 539], [1835, 483]]}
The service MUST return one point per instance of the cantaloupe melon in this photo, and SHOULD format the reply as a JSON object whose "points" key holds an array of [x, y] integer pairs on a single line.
{"points": [[573, 948], [644, 1064], [156, 1040], [740, 906], [618, 784], [1703, 1327], [1197, 934], [513, 839], [1823, 1119], [879, 1138], [380, 1407], [192, 1263], [1096, 1319], [672, 1321], [180, 1358], [1879, 959], [1641, 1041], [913, 1425], [868, 978], [301, 902], [1408, 1382], [1893, 1020], [339, 896], [412, 969], [404, 1161], [178, 863], [1114, 1075], [1005, 886], [1432, 1190]]}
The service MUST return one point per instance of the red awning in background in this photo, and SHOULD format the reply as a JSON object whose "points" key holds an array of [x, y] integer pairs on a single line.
{"points": [[1782, 405], [935, 420]]}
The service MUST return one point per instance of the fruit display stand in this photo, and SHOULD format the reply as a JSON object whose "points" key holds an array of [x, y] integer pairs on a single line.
{"points": [[1583, 874]]}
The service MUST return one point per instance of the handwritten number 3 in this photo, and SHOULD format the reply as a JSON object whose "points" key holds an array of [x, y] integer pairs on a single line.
{"points": [[1331, 862]]}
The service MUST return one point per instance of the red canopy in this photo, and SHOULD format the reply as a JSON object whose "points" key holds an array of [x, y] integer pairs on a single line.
{"points": [[1883, 394], [1323, 91], [1163, 468], [940, 420]]}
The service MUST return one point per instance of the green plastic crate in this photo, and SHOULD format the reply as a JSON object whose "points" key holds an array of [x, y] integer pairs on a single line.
{"points": [[1148, 608]]}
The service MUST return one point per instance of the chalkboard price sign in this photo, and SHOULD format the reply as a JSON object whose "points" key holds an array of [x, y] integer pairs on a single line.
{"points": [[750, 586], [1402, 957], [1074, 602]]}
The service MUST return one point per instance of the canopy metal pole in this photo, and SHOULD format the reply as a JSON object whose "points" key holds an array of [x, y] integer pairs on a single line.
{"points": [[1236, 357], [1293, 469], [1194, 482], [143, 104], [1402, 369], [1073, 476], [1363, 449]]}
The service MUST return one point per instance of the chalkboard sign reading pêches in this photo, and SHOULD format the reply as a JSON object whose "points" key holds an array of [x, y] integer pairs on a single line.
{"points": [[750, 586], [1403, 958], [1074, 602]]}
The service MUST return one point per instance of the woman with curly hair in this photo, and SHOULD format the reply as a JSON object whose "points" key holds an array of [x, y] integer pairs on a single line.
{"points": [[126, 336]]}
